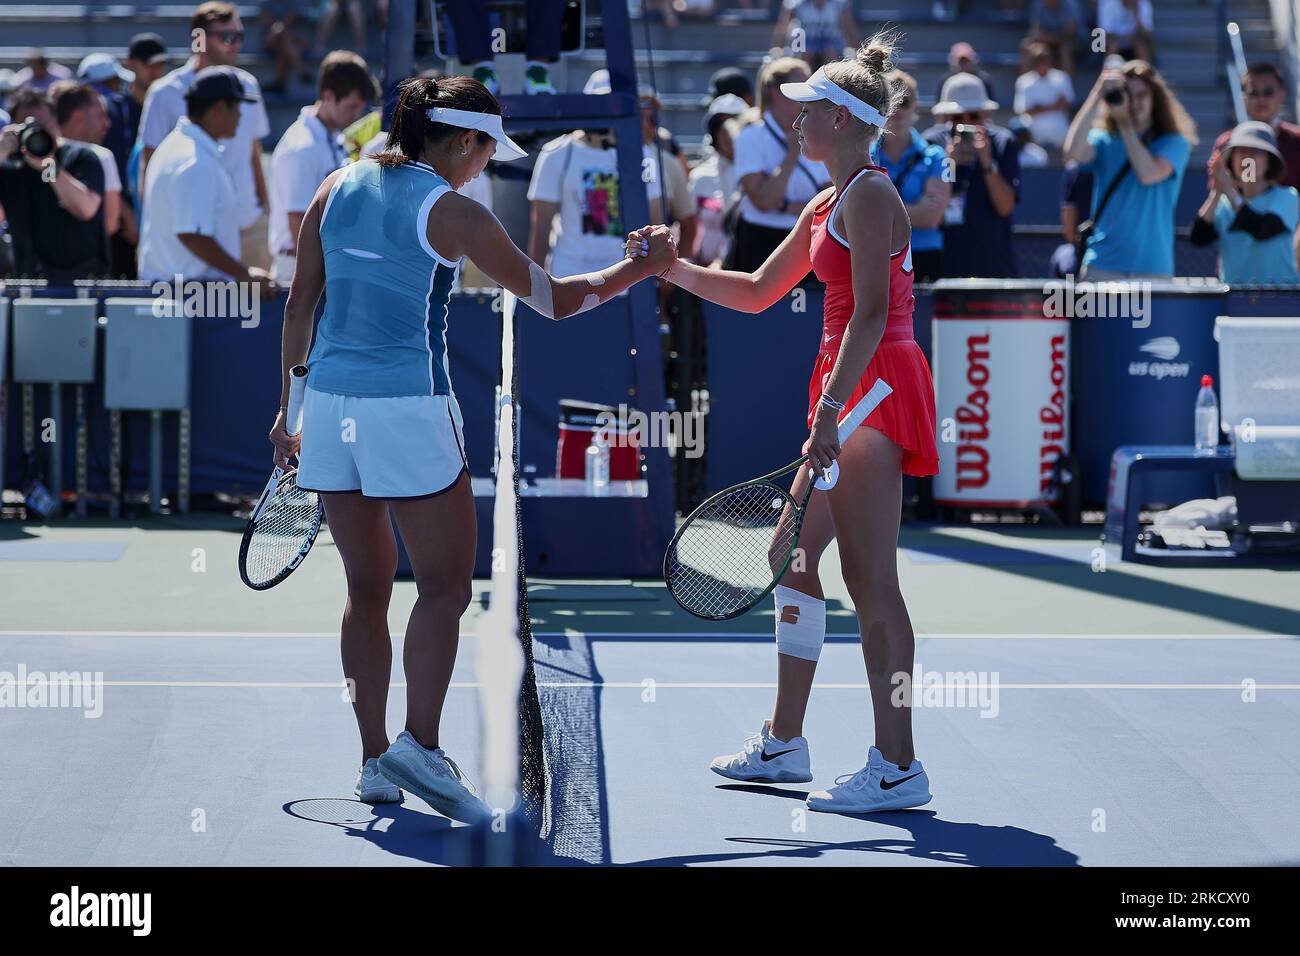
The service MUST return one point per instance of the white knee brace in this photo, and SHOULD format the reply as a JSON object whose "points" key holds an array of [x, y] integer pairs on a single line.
{"points": [[800, 624]]}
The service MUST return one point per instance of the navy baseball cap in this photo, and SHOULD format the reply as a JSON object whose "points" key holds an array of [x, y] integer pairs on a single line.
{"points": [[147, 48], [218, 83]]}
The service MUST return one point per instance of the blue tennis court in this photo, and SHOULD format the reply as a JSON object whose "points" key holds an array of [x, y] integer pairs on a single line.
{"points": [[1067, 717]]}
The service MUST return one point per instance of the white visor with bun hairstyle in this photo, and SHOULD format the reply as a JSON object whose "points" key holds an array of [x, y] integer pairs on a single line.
{"points": [[822, 87]]}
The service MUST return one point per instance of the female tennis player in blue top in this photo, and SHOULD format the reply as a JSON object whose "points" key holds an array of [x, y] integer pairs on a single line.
{"points": [[381, 428], [856, 237]]}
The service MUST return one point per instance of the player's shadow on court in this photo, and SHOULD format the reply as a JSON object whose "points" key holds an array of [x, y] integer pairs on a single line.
{"points": [[931, 839], [395, 828]]}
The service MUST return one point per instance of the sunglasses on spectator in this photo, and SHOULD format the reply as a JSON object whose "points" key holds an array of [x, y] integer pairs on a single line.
{"points": [[966, 117], [1262, 94], [230, 37]]}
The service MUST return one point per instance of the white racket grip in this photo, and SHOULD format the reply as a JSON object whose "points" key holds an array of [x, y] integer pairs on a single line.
{"points": [[297, 391], [879, 392]]}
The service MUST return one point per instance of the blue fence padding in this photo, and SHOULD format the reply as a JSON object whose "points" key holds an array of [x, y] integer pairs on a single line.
{"points": [[1040, 196], [759, 366]]}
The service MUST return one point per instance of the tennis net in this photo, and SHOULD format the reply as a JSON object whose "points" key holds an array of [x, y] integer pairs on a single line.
{"points": [[541, 745]]}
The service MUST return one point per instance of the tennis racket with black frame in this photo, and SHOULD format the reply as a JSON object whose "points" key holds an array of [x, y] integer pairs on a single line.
{"points": [[286, 519], [732, 550]]}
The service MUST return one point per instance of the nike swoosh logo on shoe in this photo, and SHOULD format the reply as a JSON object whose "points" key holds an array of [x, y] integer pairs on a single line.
{"points": [[767, 756], [886, 785]]}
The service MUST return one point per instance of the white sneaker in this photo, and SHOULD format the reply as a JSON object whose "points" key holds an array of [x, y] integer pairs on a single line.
{"points": [[880, 785], [433, 777], [766, 759], [372, 787]]}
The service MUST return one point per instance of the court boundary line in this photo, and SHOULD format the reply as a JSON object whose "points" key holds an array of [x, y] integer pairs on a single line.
{"points": [[632, 636]]}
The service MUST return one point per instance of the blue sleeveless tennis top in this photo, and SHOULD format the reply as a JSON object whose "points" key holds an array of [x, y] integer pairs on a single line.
{"points": [[384, 331]]}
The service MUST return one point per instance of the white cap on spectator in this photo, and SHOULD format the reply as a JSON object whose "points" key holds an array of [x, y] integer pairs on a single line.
{"points": [[598, 84], [728, 104], [102, 67]]}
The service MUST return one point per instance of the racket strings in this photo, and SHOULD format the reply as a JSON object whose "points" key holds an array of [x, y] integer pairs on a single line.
{"points": [[723, 561], [287, 520]]}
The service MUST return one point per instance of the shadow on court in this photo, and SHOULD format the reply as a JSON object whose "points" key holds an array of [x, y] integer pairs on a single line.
{"points": [[940, 841]]}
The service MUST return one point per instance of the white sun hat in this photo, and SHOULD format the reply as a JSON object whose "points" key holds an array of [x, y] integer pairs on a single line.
{"points": [[490, 123], [822, 87]]}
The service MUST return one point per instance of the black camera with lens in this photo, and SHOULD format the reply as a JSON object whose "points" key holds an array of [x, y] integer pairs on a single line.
{"points": [[1114, 97], [34, 140], [966, 132]]}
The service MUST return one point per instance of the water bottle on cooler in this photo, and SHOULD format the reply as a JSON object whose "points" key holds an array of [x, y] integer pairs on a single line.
{"points": [[1207, 418], [598, 464]]}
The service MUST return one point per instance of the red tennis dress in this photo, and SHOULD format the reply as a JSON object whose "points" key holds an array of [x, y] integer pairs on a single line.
{"points": [[907, 416]]}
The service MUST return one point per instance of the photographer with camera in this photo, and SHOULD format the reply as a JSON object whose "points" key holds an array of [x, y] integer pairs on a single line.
{"points": [[1135, 138], [52, 192], [983, 161]]}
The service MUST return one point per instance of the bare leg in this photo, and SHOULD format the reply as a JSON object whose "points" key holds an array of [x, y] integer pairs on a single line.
{"points": [[867, 503], [439, 534], [794, 674], [364, 537]]}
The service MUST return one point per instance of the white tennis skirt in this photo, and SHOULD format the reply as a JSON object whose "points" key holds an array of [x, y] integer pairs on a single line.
{"points": [[410, 446]]}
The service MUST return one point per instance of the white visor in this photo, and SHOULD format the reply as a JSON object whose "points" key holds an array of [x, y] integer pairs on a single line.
{"points": [[822, 87], [490, 123]]}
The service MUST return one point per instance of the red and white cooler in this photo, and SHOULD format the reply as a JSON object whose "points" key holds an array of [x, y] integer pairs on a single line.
{"points": [[1002, 373], [578, 424]]}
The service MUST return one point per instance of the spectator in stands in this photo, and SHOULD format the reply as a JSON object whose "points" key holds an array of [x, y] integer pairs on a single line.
{"points": [[777, 182], [191, 206], [1251, 214], [1127, 26], [730, 81], [817, 31], [545, 19], [916, 169], [576, 212], [54, 203], [105, 75], [223, 35], [1056, 24], [962, 58], [278, 18], [713, 180], [1264, 92], [1031, 154], [331, 10], [39, 72], [82, 118], [146, 58], [1136, 138], [1044, 98], [676, 171], [1076, 200], [985, 160], [673, 10], [310, 150]]}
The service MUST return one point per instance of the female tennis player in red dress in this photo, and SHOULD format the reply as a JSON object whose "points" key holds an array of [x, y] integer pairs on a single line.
{"points": [[856, 236]]}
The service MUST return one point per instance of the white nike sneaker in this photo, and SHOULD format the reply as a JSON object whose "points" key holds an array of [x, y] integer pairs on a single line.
{"points": [[765, 759], [433, 777], [880, 785], [372, 787]]}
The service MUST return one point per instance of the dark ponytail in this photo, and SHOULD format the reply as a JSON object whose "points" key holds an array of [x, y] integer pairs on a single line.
{"points": [[412, 130]]}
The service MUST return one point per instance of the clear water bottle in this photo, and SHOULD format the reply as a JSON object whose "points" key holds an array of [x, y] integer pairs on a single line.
{"points": [[1207, 418], [598, 464]]}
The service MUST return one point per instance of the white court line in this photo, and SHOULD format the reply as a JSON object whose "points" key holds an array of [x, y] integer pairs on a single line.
{"points": [[637, 685], [669, 635]]}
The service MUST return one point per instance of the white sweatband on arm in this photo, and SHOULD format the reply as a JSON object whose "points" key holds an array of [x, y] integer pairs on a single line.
{"points": [[800, 623]]}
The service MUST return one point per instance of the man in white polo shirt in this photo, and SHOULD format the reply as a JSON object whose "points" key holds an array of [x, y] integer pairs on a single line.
{"points": [[310, 150], [222, 35], [191, 223]]}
